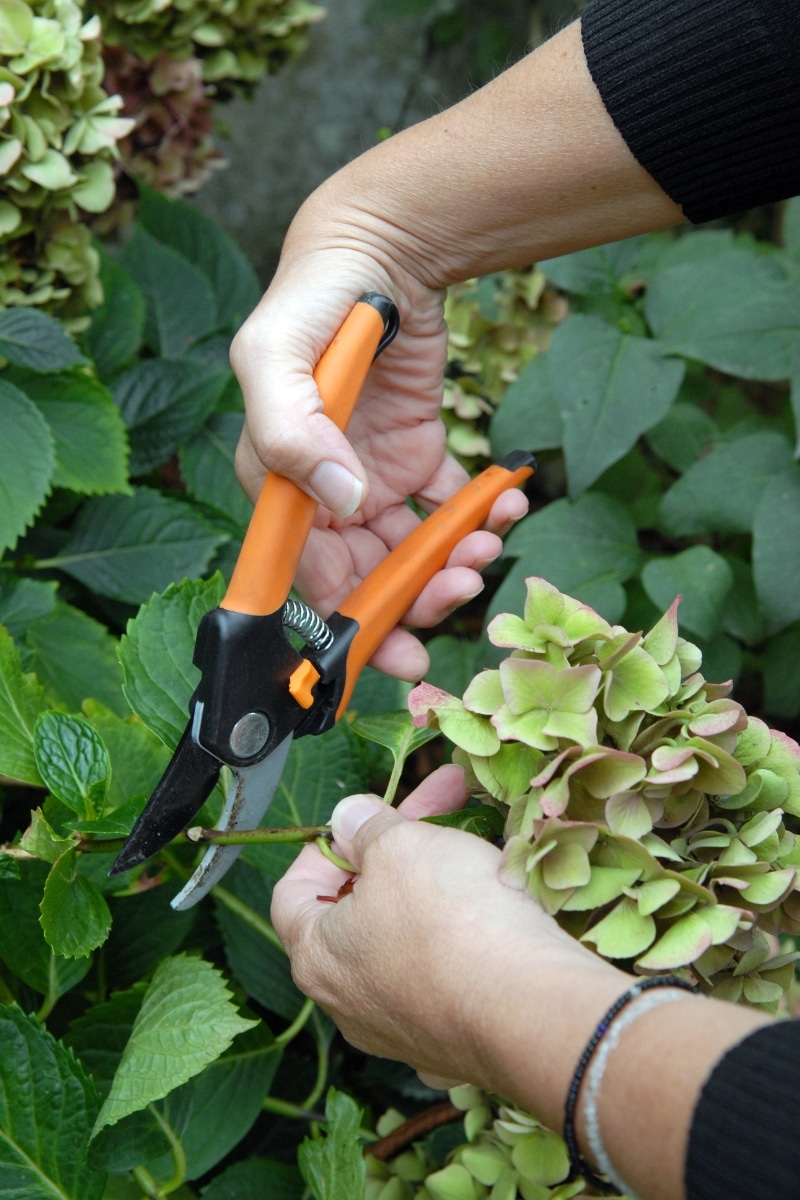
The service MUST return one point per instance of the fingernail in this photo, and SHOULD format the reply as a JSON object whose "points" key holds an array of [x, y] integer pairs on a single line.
{"points": [[336, 488], [351, 813]]}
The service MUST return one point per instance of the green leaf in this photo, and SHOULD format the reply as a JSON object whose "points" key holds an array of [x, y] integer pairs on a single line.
{"points": [[776, 550], [233, 281], [529, 415], [156, 655], [138, 757], [22, 946], [586, 548], [735, 311], [704, 500], [99, 1035], [127, 547], [181, 306], [71, 759], [702, 577], [781, 687], [117, 327], [255, 1179], [27, 463], [23, 601], [47, 1106], [163, 402], [790, 227], [185, 1022], [683, 435], [207, 467], [611, 388], [596, 271], [75, 657], [261, 968], [75, 916], [481, 819], [31, 338], [22, 698], [333, 1166], [90, 441], [395, 731]]}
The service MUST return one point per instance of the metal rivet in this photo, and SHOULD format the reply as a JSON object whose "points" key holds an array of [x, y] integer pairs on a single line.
{"points": [[249, 735]]}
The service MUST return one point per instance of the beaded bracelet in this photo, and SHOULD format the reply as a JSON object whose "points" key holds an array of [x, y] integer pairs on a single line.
{"points": [[578, 1165]]}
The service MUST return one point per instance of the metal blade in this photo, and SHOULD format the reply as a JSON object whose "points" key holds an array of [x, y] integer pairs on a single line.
{"points": [[181, 792], [249, 797]]}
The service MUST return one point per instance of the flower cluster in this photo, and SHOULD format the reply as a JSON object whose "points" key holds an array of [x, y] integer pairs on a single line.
{"points": [[59, 131], [644, 808]]}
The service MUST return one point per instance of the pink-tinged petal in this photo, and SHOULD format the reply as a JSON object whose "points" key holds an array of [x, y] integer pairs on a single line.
{"points": [[424, 699], [555, 797], [573, 726], [669, 757], [549, 769], [720, 716]]}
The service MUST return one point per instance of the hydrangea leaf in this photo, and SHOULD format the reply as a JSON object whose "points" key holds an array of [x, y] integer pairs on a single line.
{"points": [[701, 576], [622, 933], [75, 916], [333, 1166], [27, 463], [75, 658], [186, 1021], [156, 655], [72, 760], [31, 338], [47, 1105], [22, 699]]}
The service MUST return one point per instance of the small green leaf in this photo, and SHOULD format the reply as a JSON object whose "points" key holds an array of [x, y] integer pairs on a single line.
{"points": [[31, 338], [75, 916], [163, 403], [702, 577], [71, 759], [333, 1166], [127, 547], [596, 271], [138, 757], [255, 1179], [397, 733], [181, 306], [186, 1021], [611, 388], [47, 1106], [41, 840], [23, 601], [22, 698], [481, 819], [682, 436], [27, 463], [156, 655]]}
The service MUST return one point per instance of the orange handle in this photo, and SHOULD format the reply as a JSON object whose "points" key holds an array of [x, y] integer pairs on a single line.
{"points": [[380, 602], [283, 514]]}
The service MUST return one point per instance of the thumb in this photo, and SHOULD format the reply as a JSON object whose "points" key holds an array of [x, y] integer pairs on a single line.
{"points": [[357, 820]]}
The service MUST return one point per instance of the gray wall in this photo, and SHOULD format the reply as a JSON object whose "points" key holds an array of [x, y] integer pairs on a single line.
{"points": [[356, 78]]}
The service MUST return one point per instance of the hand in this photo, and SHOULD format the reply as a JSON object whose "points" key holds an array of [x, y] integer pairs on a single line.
{"points": [[396, 445], [420, 960]]}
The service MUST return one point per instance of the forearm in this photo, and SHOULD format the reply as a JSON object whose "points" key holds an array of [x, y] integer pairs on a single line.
{"points": [[652, 1079], [529, 167]]}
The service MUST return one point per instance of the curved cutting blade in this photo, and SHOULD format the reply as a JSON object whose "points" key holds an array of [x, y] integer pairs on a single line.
{"points": [[182, 791], [249, 797]]}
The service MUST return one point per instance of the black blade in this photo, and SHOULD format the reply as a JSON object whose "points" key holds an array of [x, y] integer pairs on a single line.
{"points": [[181, 792]]}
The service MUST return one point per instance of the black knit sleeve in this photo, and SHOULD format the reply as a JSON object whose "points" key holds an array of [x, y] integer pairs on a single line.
{"points": [[743, 1143], [706, 94]]}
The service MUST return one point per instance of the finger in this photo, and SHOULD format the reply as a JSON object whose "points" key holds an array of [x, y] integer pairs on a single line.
{"points": [[357, 821], [443, 791], [438, 1082], [295, 906]]}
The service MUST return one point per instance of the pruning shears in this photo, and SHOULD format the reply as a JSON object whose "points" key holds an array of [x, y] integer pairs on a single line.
{"points": [[257, 691]]}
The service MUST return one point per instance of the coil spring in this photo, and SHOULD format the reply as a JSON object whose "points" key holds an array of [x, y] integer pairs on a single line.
{"points": [[308, 624]]}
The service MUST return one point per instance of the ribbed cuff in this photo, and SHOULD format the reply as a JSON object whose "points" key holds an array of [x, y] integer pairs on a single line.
{"points": [[743, 1139], [705, 96]]}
